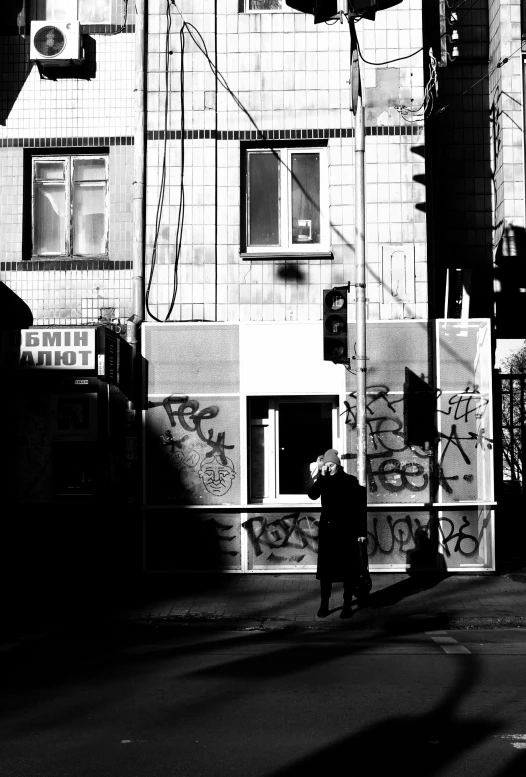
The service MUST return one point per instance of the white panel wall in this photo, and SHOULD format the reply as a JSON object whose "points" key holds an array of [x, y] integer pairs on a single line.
{"points": [[280, 358]]}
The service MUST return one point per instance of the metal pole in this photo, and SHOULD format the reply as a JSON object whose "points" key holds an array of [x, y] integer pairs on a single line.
{"points": [[139, 158], [359, 248], [137, 317]]}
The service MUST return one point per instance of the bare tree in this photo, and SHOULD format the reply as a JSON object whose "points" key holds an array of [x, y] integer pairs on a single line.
{"points": [[513, 414]]}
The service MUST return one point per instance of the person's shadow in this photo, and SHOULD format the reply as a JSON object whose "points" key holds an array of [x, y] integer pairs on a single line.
{"points": [[426, 568]]}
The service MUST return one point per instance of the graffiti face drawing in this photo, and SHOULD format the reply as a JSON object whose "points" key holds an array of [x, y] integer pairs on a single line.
{"points": [[217, 476]]}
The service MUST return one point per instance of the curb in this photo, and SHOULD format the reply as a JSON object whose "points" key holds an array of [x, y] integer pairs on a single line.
{"points": [[386, 625], [416, 622]]}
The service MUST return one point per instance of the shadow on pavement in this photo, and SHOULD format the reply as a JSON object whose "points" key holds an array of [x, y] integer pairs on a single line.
{"points": [[85, 676], [414, 583], [411, 745]]}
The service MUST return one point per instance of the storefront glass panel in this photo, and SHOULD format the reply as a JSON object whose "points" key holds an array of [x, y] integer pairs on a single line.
{"points": [[192, 541], [282, 539]]}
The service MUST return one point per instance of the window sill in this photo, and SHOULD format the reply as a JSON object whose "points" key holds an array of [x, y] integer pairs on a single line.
{"points": [[285, 255], [73, 258], [285, 504], [64, 263]]}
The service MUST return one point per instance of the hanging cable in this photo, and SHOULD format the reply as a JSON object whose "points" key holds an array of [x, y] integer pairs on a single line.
{"points": [[197, 38], [122, 27], [426, 108], [408, 56], [162, 185], [389, 61], [499, 64]]}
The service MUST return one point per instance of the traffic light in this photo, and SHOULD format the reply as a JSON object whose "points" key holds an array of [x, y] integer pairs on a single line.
{"points": [[335, 348], [420, 407], [324, 10], [369, 8]]}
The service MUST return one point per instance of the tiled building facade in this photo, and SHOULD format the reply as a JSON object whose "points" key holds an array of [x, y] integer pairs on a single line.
{"points": [[249, 216], [52, 113], [287, 80]]}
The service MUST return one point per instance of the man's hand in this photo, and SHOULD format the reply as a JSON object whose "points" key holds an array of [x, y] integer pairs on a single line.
{"points": [[319, 461], [362, 539]]}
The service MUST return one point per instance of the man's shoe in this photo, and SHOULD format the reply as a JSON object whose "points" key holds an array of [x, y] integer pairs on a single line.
{"points": [[346, 611], [324, 610]]}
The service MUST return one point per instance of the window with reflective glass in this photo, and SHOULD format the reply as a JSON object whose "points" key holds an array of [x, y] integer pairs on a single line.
{"points": [[69, 206]]}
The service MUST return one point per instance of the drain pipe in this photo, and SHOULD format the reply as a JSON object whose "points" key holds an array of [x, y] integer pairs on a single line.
{"points": [[133, 415]]}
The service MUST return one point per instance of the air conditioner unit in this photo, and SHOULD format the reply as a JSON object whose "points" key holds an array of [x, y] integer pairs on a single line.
{"points": [[56, 44]]}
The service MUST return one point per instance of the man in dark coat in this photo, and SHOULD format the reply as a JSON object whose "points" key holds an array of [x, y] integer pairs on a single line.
{"points": [[343, 523]]}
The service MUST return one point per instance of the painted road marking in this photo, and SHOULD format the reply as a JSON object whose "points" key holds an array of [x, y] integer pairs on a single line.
{"points": [[448, 644], [516, 740]]}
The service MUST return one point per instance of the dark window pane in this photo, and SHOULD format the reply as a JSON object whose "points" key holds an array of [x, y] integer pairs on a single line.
{"points": [[305, 198], [305, 432], [257, 462], [258, 407], [263, 199]]}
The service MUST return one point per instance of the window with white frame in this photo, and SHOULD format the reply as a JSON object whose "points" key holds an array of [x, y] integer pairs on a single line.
{"points": [[69, 206], [285, 437], [286, 201]]}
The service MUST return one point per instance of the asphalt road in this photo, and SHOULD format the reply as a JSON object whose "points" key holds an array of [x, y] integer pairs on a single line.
{"points": [[190, 702]]}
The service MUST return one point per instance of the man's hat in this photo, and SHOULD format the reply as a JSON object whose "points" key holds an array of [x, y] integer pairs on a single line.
{"points": [[331, 457]]}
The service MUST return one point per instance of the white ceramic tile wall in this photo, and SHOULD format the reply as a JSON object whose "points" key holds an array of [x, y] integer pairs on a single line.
{"points": [[506, 90], [285, 73], [75, 107], [61, 112]]}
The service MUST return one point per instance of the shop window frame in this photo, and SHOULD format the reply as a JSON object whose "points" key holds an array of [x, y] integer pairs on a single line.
{"points": [[270, 425]]}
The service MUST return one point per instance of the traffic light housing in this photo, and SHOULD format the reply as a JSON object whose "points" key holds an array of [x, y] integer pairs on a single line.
{"points": [[324, 10], [420, 408], [369, 8], [335, 345]]}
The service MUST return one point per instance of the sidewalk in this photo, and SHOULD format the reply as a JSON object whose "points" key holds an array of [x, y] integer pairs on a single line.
{"points": [[467, 601]]}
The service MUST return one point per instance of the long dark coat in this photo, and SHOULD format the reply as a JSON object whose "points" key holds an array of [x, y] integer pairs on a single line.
{"points": [[343, 519]]}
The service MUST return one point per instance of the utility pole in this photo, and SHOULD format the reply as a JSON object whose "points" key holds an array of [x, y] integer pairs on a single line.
{"points": [[359, 252], [323, 10], [133, 414]]}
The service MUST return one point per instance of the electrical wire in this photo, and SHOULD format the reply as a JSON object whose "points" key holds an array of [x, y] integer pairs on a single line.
{"points": [[197, 38], [454, 8], [427, 104], [409, 114], [426, 108], [162, 185], [123, 25], [201, 45], [389, 61], [122, 28], [466, 12], [408, 56], [499, 64]]}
